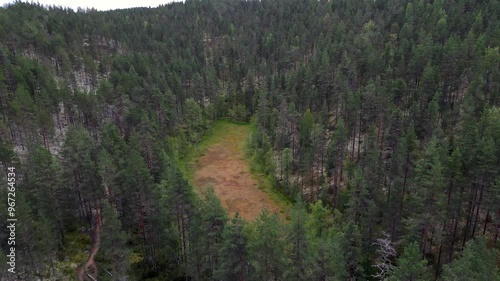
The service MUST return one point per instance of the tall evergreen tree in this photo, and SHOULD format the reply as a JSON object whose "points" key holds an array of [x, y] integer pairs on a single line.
{"points": [[206, 238], [410, 266], [114, 242], [266, 247], [475, 263], [234, 264], [299, 266]]}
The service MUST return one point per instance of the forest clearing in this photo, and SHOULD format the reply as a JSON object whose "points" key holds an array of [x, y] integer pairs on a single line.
{"points": [[251, 140], [219, 161]]}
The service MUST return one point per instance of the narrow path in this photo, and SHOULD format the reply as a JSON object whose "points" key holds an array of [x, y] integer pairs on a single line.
{"points": [[223, 166]]}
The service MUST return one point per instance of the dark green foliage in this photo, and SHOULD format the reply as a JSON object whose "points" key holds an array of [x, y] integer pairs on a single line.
{"points": [[299, 241], [385, 110], [475, 263], [234, 264], [410, 266], [114, 242], [266, 247], [351, 250], [327, 257], [207, 237]]}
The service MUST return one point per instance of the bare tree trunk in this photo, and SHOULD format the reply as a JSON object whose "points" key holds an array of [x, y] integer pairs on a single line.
{"points": [[456, 218], [404, 184], [477, 210], [497, 230], [424, 244], [184, 244], [353, 141], [486, 222], [469, 214], [359, 133], [379, 137]]}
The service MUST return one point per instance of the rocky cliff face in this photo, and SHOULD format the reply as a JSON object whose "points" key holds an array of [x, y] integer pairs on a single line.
{"points": [[82, 77]]}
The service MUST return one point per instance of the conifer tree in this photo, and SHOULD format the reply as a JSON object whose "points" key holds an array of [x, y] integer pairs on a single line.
{"points": [[177, 197], [351, 250], [114, 242], [234, 264], [46, 189], [267, 247], [299, 266], [79, 170], [337, 146], [429, 193], [325, 253], [410, 267], [206, 237], [476, 262]]}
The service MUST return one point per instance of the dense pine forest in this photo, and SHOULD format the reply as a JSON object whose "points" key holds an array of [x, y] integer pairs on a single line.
{"points": [[378, 120]]}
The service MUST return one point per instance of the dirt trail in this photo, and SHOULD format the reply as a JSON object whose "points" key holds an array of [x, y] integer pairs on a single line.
{"points": [[224, 167], [88, 270]]}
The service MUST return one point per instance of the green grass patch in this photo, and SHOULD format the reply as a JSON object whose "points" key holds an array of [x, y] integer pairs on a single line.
{"points": [[75, 252], [223, 132]]}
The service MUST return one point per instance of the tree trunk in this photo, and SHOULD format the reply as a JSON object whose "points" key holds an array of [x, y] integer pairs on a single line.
{"points": [[404, 184], [380, 135], [441, 246], [424, 244], [184, 244], [281, 165], [335, 188], [311, 170], [353, 141], [456, 218], [477, 211], [359, 133], [453, 237], [469, 214], [486, 222], [497, 230], [45, 139]]}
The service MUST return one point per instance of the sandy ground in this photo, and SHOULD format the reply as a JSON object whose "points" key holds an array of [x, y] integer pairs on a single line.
{"points": [[223, 166]]}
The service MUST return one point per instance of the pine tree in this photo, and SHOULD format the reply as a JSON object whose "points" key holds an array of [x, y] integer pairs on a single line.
{"points": [[206, 237], [360, 203], [476, 262], [234, 264], [428, 192], [109, 173], [410, 267], [299, 266], [326, 256], [176, 195], [114, 242], [46, 189], [45, 245], [267, 247], [351, 250], [306, 151], [22, 107], [337, 147], [286, 168], [454, 199], [79, 170]]}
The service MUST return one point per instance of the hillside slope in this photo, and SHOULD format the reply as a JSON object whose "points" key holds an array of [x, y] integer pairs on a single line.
{"points": [[379, 117]]}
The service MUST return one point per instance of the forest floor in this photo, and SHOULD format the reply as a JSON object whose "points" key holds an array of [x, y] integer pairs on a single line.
{"points": [[219, 161]]}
